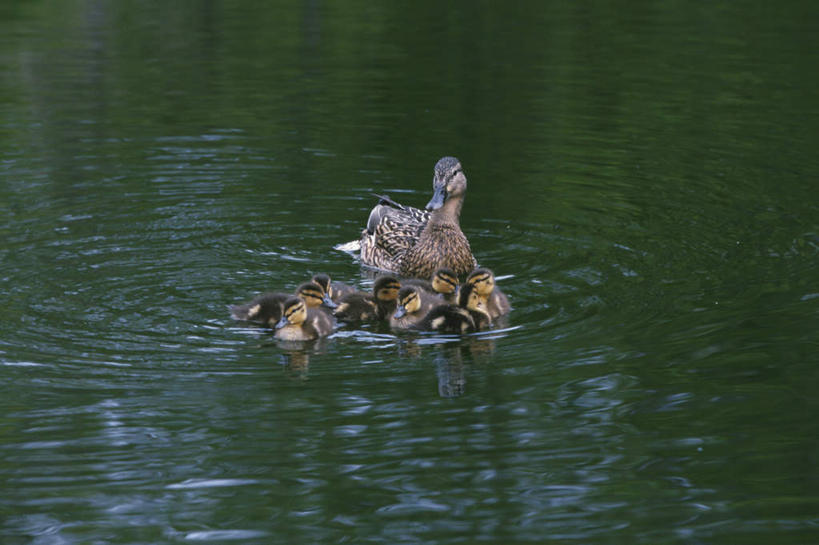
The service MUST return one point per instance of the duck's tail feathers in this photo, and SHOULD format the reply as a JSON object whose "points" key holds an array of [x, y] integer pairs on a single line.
{"points": [[354, 246], [384, 199]]}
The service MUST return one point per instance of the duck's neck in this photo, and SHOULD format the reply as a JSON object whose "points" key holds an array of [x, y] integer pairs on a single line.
{"points": [[448, 214]]}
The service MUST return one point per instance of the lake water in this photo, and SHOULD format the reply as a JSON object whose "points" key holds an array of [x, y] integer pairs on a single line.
{"points": [[642, 180]]}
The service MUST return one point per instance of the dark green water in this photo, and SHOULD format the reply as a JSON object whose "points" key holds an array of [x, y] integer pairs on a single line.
{"points": [[643, 181]]}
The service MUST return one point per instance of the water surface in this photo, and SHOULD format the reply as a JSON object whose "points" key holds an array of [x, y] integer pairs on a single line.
{"points": [[641, 180]]}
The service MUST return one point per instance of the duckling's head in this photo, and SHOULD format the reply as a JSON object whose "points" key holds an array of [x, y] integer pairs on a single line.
{"points": [[323, 281], [294, 312], [313, 295], [408, 302], [386, 288], [483, 280], [470, 298], [445, 281], [448, 181]]}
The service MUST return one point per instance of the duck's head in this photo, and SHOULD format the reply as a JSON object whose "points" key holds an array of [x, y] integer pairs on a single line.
{"points": [[386, 288], [314, 295], [325, 283], [449, 181], [408, 302], [483, 280], [445, 281], [469, 298], [294, 312]]}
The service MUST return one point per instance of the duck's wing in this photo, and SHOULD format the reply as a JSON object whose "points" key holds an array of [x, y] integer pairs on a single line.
{"points": [[396, 235], [402, 214]]}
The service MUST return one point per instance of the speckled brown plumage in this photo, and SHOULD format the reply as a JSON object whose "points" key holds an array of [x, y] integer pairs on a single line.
{"points": [[414, 243]]}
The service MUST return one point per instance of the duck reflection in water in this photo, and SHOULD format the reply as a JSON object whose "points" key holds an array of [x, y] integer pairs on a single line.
{"points": [[295, 355]]}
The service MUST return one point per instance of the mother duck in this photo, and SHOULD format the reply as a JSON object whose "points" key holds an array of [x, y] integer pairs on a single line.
{"points": [[415, 243]]}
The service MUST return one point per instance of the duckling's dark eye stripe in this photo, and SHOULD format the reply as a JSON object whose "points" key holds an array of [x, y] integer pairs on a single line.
{"points": [[448, 280], [481, 278]]}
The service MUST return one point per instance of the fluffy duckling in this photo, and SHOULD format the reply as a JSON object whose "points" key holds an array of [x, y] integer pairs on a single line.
{"points": [[264, 308], [469, 298], [447, 318], [378, 305], [467, 316], [267, 307], [413, 304], [334, 290], [301, 323], [497, 304], [444, 283], [315, 297]]}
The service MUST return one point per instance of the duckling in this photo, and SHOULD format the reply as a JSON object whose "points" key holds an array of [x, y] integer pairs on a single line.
{"points": [[447, 318], [267, 307], [314, 296], [378, 305], [334, 290], [413, 304], [444, 283], [497, 304], [467, 316], [475, 304], [415, 243], [301, 323], [263, 308]]}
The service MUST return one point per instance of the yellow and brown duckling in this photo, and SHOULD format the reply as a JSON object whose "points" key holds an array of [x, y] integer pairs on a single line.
{"points": [[444, 283], [299, 322], [469, 298], [363, 307], [264, 308], [468, 316], [334, 290], [267, 307], [497, 304], [415, 243], [413, 304]]}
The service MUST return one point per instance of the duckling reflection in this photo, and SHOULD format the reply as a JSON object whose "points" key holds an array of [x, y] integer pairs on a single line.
{"points": [[295, 359]]}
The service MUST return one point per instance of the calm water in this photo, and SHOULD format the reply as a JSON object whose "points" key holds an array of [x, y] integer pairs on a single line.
{"points": [[642, 181]]}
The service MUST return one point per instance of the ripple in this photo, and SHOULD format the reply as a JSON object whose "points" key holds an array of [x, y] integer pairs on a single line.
{"points": [[210, 483]]}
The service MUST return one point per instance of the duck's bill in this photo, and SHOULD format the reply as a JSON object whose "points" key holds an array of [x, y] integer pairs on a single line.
{"points": [[327, 302], [399, 312], [281, 323], [438, 199]]}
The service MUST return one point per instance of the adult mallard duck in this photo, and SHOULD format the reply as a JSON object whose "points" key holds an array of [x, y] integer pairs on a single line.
{"points": [[414, 243], [497, 304]]}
